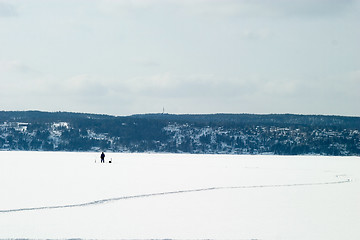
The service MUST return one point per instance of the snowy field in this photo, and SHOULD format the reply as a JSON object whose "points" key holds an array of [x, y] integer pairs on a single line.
{"points": [[47, 195]]}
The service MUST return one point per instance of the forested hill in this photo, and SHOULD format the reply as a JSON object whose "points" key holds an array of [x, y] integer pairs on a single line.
{"points": [[201, 133], [285, 120]]}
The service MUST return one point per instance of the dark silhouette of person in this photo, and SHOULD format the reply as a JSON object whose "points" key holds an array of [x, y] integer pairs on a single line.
{"points": [[102, 156]]}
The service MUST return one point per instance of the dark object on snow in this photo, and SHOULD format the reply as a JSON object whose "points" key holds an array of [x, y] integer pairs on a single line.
{"points": [[102, 156]]}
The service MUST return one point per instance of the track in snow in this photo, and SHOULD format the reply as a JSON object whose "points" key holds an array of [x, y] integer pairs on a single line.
{"points": [[108, 200]]}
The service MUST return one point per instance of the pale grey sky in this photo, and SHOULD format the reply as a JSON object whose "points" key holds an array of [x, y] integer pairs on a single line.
{"points": [[123, 57]]}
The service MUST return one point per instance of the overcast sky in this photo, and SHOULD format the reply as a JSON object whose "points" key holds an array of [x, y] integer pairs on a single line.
{"points": [[123, 57]]}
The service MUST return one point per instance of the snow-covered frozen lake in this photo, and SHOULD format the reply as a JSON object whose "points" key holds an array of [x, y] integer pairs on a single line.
{"points": [[52, 195]]}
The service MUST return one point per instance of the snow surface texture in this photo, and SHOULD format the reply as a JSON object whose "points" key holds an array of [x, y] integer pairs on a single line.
{"points": [[52, 195]]}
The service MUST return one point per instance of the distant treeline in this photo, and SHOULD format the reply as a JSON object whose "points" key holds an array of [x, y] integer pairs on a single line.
{"points": [[279, 120], [202, 133]]}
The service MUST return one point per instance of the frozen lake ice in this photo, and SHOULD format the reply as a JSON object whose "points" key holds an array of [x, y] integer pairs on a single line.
{"points": [[58, 195]]}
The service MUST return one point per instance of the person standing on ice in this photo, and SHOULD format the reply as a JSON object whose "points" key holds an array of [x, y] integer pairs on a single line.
{"points": [[102, 156]]}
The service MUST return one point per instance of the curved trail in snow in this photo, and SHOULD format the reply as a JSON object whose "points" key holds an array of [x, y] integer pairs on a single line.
{"points": [[103, 201]]}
